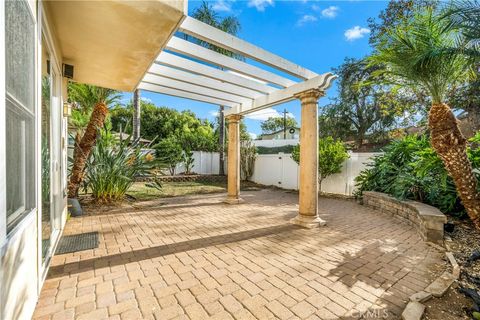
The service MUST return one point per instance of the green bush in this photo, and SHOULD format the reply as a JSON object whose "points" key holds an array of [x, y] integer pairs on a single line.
{"points": [[410, 169], [331, 155], [170, 151], [112, 168], [275, 150]]}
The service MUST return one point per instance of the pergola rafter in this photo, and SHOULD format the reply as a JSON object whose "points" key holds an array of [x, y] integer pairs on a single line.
{"points": [[192, 71], [189, 70]]}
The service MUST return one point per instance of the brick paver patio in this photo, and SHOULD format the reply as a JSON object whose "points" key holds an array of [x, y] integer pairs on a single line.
{"points": [[197, 258]]}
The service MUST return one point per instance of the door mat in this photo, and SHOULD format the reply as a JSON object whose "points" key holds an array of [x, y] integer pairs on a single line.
{"points": [[77, 242]]}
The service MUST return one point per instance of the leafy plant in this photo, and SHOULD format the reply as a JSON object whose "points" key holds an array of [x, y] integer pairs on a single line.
{"points": [[248, 154], [411, 169], [170, 152], [187, 159], [112, 168], [331, 155]]}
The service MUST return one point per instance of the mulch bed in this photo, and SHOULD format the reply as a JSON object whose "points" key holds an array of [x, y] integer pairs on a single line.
{"points": [[463, 241]]}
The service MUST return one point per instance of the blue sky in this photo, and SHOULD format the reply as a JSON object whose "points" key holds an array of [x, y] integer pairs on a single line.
{"points": [[315, 34]]}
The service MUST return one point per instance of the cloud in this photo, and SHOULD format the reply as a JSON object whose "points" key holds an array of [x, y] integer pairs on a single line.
{"points": [[222, 5], [330, 12], [213, 113], [146, 100], [264, 114], [306, 19], [252, 135], [260, 4], [355, 33]]}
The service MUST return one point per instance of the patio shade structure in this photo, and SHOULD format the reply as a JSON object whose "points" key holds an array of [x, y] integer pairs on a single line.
{"points": [[189, 70]]}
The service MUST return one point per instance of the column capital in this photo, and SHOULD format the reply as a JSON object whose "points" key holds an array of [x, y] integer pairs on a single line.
{"points": [[234, 117], [310, 95]]}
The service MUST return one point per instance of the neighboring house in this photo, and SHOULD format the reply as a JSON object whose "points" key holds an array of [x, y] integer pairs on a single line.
{"points": [[105, 43], [291, 133]]}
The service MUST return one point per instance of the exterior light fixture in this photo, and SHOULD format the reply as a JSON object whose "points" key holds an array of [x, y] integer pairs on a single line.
{"points": [[67, 109]]}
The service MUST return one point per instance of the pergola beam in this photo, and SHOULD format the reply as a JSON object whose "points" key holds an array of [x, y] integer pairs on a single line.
{"points": [[190, 49], [321, 82], [224, 40], [174, 61], [192, 88], [180, 75], [183, 94]]}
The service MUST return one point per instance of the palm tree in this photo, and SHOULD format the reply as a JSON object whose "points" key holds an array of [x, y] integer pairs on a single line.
{"points": [[97, 100], [231, 25], [416, 53], [465, 16]]}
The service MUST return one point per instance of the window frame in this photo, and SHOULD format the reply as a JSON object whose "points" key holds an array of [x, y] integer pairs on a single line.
{"points": [[13, 224]]}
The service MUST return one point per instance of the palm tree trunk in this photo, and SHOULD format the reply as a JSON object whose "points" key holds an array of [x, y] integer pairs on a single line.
{"points": [[97, 119], [221, 141], [136, 115], [451, 145]]}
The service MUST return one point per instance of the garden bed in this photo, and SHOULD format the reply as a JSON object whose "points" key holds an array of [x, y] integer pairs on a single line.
{"points": [[462, 242]]}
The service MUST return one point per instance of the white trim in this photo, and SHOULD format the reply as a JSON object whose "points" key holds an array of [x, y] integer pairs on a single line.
{"points": [[184, 94], [3, 164], [321, 82], [171, 60], [224, 40], [38, 143], [176, 74], [193, 88], [198, 52]]}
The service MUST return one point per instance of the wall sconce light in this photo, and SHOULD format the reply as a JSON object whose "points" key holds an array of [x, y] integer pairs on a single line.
{"points": [[67, 109]]}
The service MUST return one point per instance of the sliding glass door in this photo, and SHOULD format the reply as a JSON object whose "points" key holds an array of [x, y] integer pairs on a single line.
{"points": [[51, 133]]}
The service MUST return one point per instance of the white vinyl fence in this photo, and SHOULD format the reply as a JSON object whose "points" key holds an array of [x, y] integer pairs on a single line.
{"points": [[281, 171], [203, 163]]}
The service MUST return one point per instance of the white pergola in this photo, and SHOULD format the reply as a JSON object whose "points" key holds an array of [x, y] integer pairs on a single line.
{"points": [[189, 70]]}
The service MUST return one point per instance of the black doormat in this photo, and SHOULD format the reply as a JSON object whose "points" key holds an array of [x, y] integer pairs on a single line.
{"points": [[77, 242]]}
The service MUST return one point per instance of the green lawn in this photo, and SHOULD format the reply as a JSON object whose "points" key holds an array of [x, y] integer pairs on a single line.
{"points": [[173, 189]]}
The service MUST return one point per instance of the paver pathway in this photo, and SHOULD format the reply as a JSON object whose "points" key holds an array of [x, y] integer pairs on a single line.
{"points": [[197, 258]]}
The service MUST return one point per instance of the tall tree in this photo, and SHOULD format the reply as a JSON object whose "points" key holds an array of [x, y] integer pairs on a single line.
{"points": [[363, 106], [274, 124], [231, 25], [98, 100], [417, 53]]}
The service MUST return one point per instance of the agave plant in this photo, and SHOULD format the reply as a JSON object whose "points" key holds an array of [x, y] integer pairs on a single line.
{"points": [[112, 168]]}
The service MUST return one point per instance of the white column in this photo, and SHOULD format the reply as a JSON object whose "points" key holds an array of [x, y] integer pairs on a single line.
{"points": [[233, 164], [308, 195]]}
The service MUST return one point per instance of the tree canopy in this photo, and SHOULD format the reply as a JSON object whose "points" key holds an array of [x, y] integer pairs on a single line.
{"points": [[274, 124], [159, 123]]}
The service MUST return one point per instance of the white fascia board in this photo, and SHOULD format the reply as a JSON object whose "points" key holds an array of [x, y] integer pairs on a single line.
{"points": [[193, 88], [321, 82], [186, 95], [174, 61], [188, 48], [224, 40], [192, 78]]}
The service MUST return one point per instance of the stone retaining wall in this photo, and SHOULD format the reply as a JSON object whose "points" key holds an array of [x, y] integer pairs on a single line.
{"points": [[428, 220], [187, 178]]}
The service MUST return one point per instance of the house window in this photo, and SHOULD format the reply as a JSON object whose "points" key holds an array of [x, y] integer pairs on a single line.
{"points": [[20, 110]]}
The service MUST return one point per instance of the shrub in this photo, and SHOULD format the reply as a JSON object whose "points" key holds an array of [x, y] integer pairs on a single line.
{"points": [[331, 155], [248, 154], [275, 150], [112, 168], [170, 152], [187, 160], [410, 169]]}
